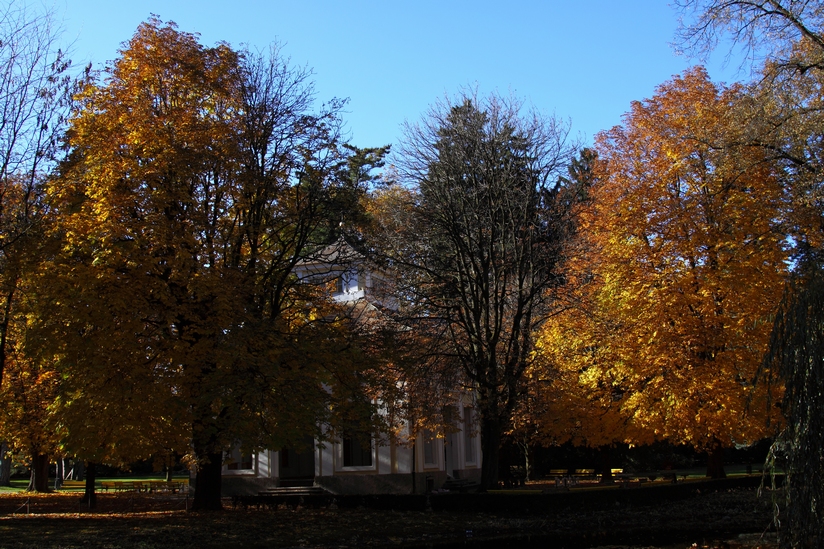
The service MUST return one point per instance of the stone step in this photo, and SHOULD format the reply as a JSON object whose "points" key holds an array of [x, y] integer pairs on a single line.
{"points": [[303, 482], [294, 491]]}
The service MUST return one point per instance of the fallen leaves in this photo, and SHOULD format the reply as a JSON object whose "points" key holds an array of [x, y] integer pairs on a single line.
{"points": [[55, 522]]}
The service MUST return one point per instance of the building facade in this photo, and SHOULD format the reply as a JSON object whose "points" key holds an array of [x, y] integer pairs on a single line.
{"points": [[411, 463]]}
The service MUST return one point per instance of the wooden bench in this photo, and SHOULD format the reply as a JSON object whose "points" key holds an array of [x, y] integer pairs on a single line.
{"points": [[174, 486], [168, 486]]}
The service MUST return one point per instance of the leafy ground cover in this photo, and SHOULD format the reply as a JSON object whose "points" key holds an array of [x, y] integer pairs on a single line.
{"points": [[146, 521]]}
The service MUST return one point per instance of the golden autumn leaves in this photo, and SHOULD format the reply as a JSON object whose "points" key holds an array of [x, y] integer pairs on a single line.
{"points": [[167, 303], [174, 319], [685, 261]]}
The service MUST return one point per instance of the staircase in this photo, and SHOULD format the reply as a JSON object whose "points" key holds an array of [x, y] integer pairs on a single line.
{"points": [[294, 491], [295, 487]]}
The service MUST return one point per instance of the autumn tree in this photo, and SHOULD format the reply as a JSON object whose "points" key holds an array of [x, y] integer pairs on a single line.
{"points": [[198, 178], [480, 244], [572, 392], [782, 109], [783, 118], [763, 29], [692, 262], [34, 93]]}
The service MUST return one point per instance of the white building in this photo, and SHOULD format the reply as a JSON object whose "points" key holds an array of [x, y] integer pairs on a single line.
{"points": [[349, 465]]}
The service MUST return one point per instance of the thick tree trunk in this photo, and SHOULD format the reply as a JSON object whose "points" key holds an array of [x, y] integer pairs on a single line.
{"points": [[5, 465], [490, 446], [89, 495], [207, 484], [39, 480], [606, 465], [715, 462]]}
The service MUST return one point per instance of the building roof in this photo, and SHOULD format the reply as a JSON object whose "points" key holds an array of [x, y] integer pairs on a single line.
{"points": [[338, 254]]}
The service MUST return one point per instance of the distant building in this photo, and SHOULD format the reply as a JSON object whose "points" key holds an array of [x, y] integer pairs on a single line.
{"points": [[355, 465]]}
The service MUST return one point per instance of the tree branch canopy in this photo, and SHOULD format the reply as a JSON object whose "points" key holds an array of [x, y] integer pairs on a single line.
{"points": [[482, 241]]}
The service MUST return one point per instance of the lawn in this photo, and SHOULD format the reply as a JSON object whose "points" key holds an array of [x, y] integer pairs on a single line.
{"points": [[19, 485]]}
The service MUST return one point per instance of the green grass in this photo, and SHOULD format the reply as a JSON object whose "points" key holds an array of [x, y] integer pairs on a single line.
{"points": [[19, 485]]}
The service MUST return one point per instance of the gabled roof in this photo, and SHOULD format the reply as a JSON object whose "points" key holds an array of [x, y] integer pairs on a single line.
{"points": [[338, 254]]}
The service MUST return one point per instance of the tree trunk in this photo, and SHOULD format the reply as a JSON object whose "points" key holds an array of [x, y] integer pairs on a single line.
{"points": [[207, 484], [414, 465], [490, 446], [5, 465], [58, 474], [39, 480], [79, 469], [527, 462], [606, 465], [715, 462], [89, 495]]}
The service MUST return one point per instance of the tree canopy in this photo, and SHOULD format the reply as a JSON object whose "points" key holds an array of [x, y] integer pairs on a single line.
{"points": [[687, 262], [480, 243], [34, 101], [197, 179]]}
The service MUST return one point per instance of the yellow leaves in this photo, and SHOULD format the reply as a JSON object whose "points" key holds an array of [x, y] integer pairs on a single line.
{"points": [[687, 265]]}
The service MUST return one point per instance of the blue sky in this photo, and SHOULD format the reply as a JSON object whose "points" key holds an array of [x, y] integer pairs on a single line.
{"points": [[584, 60]]}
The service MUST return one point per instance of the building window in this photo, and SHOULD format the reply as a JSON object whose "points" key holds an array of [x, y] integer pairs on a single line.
{"points": [[470, 438], [357, 450], [239, 461]]}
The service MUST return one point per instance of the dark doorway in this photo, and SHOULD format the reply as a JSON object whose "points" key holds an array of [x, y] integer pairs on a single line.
{"points": [[298, 464]]}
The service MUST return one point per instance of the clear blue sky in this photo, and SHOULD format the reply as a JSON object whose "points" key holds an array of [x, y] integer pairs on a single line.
{"points": [[584, 60]]}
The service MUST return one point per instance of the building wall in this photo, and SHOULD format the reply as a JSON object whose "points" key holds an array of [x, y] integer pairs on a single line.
{"points": [[391, 470], [395, 467]]}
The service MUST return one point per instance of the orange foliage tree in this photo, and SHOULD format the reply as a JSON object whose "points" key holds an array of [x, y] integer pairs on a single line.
{"points": [[573, 393], [688, 263], [34, 97], [197, 179]]}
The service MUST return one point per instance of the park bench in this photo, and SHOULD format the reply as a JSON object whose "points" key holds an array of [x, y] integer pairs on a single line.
{"points": [[567, 477], [122, 486], [173, 486], [168, 486]]}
